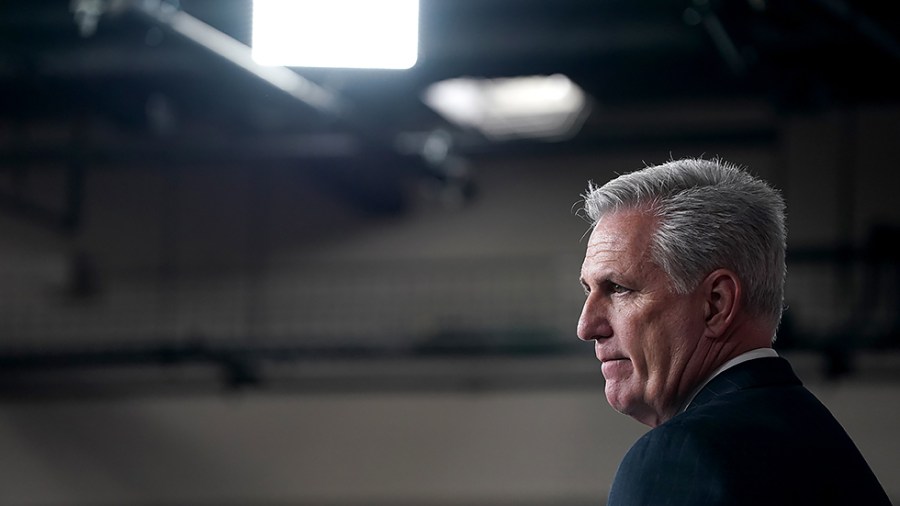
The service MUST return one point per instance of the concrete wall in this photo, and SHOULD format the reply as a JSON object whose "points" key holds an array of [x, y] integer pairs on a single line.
{"points": [[541, 445], [555, 446]]}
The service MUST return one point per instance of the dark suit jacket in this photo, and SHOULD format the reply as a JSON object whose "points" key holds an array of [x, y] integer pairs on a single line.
{"points": [[753, 435]]}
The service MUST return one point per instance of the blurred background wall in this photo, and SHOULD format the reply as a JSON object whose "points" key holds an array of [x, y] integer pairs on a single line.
{"points": [[215, 292]]}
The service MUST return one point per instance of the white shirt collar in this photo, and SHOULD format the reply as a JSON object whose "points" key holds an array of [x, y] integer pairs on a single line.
{"points": [[743, 357]]}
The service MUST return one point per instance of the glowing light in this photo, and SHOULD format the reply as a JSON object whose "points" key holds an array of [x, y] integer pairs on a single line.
{"points": [[336, 33], [534, 106]]}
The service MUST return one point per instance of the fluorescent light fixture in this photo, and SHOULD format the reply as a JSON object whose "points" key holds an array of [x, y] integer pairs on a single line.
{"points": [[336, 33], [548, 107]]}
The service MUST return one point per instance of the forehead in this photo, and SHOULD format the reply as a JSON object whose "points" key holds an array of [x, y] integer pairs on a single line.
{"points": [[621, 238], [621, 230]]}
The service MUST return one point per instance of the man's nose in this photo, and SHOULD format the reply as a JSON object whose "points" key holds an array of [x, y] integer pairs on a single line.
{"points": [[593, 323]]}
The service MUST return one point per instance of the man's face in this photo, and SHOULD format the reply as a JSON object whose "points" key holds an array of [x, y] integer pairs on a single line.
{"points": [[646, 336]]}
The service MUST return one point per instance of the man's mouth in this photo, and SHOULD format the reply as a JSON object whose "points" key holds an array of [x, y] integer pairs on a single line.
{"points": [[614, 368], [607, 356]]}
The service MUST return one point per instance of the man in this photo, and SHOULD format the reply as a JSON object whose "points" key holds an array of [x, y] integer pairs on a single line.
{"points": [[684, 275]]}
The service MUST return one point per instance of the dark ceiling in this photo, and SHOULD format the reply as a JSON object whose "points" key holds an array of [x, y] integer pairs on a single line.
{"points": [[796, 53], [156, 87]]}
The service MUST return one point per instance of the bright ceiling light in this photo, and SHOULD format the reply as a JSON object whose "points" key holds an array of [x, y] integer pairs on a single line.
{"points": [[548, 107], [336, 33]]}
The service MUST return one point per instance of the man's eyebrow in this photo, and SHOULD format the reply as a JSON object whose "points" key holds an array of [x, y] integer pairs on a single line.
{"points": [[600, 278], [606, 277]]}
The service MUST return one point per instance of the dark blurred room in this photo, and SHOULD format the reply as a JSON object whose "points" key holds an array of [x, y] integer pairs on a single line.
{"points": [[228, 283]]}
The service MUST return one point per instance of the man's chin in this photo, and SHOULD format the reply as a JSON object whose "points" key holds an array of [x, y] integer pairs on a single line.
{"points": [[619, 402], [630, 405]]}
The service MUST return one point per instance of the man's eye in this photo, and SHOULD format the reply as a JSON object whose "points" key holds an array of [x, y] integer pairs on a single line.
{"points": [[617, 288]]}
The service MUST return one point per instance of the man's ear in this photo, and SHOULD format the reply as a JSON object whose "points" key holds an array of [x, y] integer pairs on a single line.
{"points": [[722, 291]]}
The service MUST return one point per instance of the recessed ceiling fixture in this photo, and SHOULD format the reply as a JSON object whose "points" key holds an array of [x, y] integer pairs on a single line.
{"points": [[336, 33], [547, 107]]}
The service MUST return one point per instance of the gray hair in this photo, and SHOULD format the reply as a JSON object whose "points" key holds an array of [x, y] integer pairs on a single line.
{"points": [[711, 215]]}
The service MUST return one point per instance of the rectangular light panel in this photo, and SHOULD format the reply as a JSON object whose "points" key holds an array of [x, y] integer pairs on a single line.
{"points": [[336, 33], [538, 107]]}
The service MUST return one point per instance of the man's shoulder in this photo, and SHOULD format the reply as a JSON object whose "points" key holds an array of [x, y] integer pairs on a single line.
{"points": [[708, 456], [742, 424], [663, 465], [771, 373], [756, 424], [687, 431], [678, 441], [753, 392]]}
